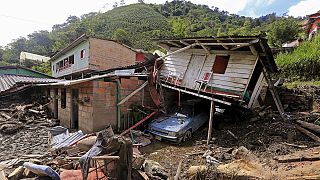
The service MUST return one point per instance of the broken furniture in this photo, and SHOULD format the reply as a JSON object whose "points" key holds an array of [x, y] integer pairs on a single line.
{"points": [[204, 81]]}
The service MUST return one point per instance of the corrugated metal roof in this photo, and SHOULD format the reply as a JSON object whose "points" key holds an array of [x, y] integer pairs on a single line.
{"points": [[9, 81]]}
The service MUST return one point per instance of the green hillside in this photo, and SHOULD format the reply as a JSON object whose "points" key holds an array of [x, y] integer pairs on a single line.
{"points": [[137, 24], [303, 63], [140, 21]]}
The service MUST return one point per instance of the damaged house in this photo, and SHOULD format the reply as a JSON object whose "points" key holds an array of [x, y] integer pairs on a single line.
{"points": [[91, 102], [224, 70]]}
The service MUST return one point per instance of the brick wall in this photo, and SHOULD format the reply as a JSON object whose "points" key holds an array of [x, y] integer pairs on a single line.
{"points": [[108, 54], [104, 105], [101, 109]]}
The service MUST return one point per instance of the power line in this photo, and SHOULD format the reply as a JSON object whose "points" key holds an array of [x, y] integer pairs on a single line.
{"points": [[22, 19]]}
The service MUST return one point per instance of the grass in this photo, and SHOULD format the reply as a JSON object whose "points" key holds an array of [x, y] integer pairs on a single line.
{"points": [[294, 84], [303, 64]]}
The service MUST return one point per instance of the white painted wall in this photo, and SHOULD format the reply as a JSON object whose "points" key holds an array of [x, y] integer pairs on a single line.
{"points": [[79, 64]]}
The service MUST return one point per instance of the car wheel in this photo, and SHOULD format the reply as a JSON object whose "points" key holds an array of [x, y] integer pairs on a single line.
{"points": [[187, 135]]}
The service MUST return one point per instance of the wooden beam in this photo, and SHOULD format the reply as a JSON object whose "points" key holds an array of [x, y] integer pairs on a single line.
{"points": [[177, 51], [237, 47], [138, 123], [226, 47], [175, 44], [308, 133], [204, 47], [133, 93], [185, 43], [163, 46], [212, 109], [196, 94], [270, 84]]}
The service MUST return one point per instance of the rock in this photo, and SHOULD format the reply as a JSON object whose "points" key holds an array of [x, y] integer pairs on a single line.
{"points": [[155, 169], [240, 153], [242, 168], [87, 143], [10, 128], [197, 172]]}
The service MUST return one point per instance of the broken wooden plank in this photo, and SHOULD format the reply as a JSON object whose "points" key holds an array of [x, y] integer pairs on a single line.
{"points": [[310, 126], [212, 109], [138, 123], [296, 159], [295, 145], [35, 111], [5, 115], [133, 93], [308, 133], [176, 177], [233, 135]]}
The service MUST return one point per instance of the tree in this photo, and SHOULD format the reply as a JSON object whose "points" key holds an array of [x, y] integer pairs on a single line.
{"points": [[283, 30], [122, 3], [115, 5], [140, 1], [121, 35]]}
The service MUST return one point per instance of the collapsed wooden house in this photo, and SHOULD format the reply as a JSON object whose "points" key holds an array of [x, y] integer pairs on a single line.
{"points": [[225, 70]]}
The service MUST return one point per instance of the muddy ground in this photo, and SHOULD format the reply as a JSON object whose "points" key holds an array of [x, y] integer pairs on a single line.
{"points": [[265, 138]]}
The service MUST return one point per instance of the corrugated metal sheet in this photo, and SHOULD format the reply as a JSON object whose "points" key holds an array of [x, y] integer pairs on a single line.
{"points": [[69, 140], [9, 81]]}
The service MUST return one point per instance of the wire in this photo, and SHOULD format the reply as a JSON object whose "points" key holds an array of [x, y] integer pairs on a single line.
{"points": [[22, 19]]}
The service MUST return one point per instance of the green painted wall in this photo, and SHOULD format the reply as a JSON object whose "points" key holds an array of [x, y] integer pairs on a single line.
{"points": [[25, 72]]}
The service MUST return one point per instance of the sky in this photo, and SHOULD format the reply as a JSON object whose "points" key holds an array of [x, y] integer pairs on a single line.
{"points": [[18, 18]]}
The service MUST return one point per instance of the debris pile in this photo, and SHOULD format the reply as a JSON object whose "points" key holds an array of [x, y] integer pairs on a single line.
{"points": [[23, 130]]}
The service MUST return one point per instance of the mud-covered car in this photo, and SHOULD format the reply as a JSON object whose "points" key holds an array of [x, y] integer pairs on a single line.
{"points": [[180, 125]]}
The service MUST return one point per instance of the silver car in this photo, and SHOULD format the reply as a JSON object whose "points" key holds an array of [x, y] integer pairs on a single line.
{"points": [[178, 126]]}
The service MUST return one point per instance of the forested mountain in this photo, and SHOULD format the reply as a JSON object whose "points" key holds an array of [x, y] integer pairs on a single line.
{"points": [[137, 24]]}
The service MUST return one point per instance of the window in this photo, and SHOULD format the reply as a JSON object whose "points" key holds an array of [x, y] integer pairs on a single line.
{"points": [[82, 53], [220, 64], [65, 62], [71, 59], [63, 98]]}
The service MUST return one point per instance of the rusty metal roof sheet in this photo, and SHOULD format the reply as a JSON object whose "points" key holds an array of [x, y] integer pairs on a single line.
{"points": [[9, 81]]}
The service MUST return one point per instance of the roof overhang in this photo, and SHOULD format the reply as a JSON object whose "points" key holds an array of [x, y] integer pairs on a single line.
{"points": [[69, 47], [227, 44]]}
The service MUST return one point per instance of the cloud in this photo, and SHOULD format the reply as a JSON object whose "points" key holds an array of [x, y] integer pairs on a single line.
{"points": [[304, 8]]}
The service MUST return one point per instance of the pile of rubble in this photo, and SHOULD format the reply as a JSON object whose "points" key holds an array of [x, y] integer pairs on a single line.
{"points": [[23, 130]]}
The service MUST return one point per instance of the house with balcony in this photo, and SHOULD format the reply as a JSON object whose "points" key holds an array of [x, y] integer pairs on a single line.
{"points": [[86, 99]]}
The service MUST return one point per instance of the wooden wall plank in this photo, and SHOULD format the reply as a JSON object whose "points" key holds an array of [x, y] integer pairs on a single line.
{"points": [[231, 79]]}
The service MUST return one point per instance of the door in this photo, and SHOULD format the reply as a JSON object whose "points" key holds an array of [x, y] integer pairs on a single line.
{"points": [[74, 109], [55, 103], [193, 70]]}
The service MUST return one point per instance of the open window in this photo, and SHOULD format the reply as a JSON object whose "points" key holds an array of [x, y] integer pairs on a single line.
{"points": [[63, 98], [71, 59], [220, 64], [82, 54]]}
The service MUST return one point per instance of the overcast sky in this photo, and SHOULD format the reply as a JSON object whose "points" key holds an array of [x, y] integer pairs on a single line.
{"points": [[22, 17]]}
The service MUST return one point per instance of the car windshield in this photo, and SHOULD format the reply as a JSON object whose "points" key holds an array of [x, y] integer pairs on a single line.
{"points": [[185, 111]]}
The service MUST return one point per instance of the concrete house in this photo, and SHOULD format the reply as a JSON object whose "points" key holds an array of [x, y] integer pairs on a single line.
{"points": [[90, 102], [89, 54]]}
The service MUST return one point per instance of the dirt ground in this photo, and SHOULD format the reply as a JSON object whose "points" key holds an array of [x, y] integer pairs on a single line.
{"points": [[265, 139]]}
